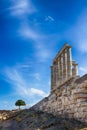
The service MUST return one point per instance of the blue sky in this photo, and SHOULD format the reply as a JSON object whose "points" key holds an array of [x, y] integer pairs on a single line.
{"points": [[31, 33]]}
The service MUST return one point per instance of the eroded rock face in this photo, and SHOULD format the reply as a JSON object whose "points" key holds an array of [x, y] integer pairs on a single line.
{"points": [[38, 120], [69, 99], [5, 114]]}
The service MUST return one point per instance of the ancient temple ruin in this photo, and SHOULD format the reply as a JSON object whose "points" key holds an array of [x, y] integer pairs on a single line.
{"points": [[63, 67], [68, 96]]}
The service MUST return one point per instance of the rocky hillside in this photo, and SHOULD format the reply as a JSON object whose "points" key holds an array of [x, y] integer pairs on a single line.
{"points": [[4, 114], [30, 119]]}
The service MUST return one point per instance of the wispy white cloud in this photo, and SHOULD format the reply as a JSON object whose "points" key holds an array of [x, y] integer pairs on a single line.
{"points": [[35, 91], [49, 19], [49, 82], [83, 70], [43, 54], [5, 103], [78, 32], [81, 32], [20, 85], [23, 66], [37, 76], [21, 7], [25, 31]]}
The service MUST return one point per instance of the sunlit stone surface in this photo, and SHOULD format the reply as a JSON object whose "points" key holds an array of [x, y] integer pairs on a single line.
{"points": [[68, 95]]}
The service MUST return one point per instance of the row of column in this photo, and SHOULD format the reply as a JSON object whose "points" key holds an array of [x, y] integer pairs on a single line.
{"points": [[62, 68]]}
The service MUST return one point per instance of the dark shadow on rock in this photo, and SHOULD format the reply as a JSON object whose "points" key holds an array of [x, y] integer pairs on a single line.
{"points": [[30, 119]]}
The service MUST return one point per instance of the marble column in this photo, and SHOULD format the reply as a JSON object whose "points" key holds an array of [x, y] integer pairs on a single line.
{"points": [[54, 75], [75, 69], [69, 63], [65, 65], [58, 73], [62, 68], [51, 78]]}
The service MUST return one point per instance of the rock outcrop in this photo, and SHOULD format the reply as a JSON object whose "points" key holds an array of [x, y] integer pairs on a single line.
{"points": [[31, 119], [5, 114]]}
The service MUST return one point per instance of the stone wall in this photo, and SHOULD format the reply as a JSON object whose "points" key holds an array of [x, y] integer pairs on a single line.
{"points": [[69, 99]]}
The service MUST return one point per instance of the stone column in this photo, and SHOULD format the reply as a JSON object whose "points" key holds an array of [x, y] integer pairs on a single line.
{"points": [[62, 68], [69, 63], [51, 78], [65, 65], [58, 82], [57, 73], [54, 76], [75, 70]]}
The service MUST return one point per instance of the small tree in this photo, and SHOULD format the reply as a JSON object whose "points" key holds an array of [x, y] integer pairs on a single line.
{"points": [[20, 103]]}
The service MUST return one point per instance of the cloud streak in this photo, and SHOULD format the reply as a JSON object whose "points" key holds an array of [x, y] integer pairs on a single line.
{"points": [[23, 10], [20, 85], [78, 32], [21, 7], [81, 32], [37, 76], [49, 19], [39, 41], [83, 70], [25, 31]]}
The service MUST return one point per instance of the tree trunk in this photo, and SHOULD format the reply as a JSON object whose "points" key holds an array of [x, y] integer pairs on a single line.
{"points": [[19, 107]]}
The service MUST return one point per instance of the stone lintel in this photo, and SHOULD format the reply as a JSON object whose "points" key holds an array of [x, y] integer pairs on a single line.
{"points": [[61, 51]]}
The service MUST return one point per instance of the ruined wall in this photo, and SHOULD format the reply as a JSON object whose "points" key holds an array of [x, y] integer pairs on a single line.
{"points": [[68, 95], [70, 99]]}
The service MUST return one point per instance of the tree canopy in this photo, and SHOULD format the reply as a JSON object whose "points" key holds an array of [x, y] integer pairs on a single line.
{"points": [[20, 103]]}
